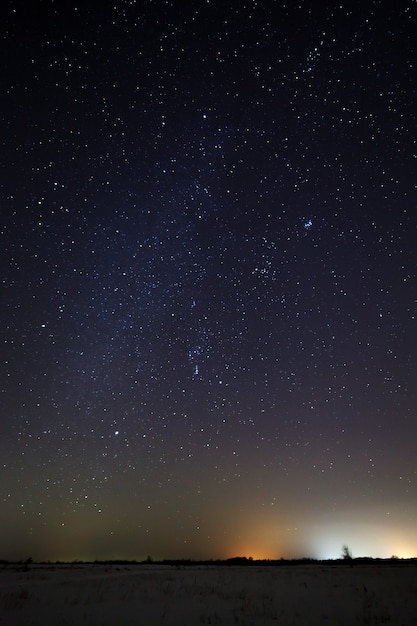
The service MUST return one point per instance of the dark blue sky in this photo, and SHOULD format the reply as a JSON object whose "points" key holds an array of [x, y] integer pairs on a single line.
{"points": [[208, 293]]}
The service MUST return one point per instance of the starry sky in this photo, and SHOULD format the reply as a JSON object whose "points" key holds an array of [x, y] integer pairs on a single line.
{"points": [[208, 279]]}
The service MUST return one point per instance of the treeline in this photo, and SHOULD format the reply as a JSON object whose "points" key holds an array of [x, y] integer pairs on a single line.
{"points": [[244, 561], [241, 561]]}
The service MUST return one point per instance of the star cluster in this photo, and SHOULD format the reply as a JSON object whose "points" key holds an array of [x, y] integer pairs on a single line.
{"points": [[209, 290]]}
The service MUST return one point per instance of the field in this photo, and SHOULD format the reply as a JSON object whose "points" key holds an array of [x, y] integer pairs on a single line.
{"points": [[158, 595]]}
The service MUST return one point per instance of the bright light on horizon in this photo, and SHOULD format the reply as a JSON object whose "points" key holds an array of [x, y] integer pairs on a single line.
{"points": [[363, 540]]}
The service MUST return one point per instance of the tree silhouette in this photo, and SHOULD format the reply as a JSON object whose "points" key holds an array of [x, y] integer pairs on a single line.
{"points": [[346, 553]]}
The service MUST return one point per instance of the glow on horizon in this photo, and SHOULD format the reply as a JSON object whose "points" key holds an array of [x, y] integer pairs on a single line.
{"points": [[364, 540], [251, 532]]}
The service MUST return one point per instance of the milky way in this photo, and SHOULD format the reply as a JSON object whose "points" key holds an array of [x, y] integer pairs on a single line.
{"points": [[209, 290]]}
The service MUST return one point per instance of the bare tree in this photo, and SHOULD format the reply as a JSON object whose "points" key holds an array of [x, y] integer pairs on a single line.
{"points": [[346, 553]]}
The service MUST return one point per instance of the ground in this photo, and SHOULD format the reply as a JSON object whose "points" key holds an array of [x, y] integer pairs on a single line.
{"points": [[157, 595]]}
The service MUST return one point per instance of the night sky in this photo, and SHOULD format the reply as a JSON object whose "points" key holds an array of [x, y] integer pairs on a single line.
{"points": [[208, 279]]}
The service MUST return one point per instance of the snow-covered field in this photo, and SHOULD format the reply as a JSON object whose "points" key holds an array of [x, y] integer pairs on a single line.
{"points": [[153, 595]]}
